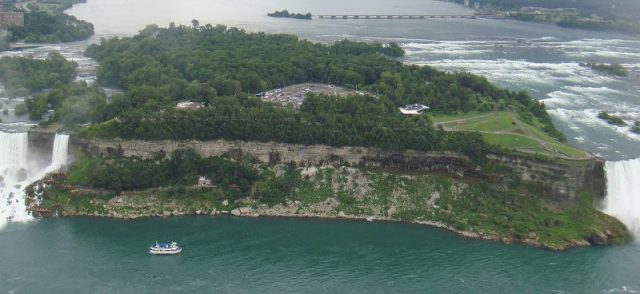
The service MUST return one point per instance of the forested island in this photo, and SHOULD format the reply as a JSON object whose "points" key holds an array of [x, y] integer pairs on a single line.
{"points": [[24, 76], [618, 121], [636, 127], [352, 156], [286, 14], [611, 119], [612, 69], [46, 22]]}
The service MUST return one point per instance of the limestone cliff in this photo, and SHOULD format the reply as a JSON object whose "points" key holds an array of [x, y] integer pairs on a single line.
{"points": [[559, 182]]}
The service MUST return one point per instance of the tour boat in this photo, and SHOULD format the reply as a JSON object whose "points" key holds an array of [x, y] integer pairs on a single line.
{"points": [[165, 248]]}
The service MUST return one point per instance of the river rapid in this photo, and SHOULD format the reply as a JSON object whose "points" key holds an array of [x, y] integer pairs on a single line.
{"points": [[269, 255]]}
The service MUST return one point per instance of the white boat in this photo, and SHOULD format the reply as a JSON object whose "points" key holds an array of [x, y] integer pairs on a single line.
{"points": [[165, 248]]}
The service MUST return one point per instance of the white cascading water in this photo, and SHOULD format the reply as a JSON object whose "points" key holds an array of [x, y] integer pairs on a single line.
{"points": [[60, 154], [16, 173], [623, 193]]}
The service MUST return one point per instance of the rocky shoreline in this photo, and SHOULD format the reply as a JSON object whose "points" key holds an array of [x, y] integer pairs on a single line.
{"points": [[520, 208], [292, 211]]}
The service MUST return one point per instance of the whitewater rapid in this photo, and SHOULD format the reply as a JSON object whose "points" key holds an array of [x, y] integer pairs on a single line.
{"points": [[623, 193], [549, 69], [19, 168]]}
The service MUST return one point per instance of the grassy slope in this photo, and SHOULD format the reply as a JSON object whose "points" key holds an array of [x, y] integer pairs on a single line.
{"points": [[505, 129]]}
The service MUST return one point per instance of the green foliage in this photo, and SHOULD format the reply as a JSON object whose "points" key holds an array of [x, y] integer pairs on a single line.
{"points": [[517, 213], [37, 106], [287, 14], [21, 109], [393, 50], [74, 103], [43, 27], [278, 189], [611, 119], [232, 61], [182, 169], [636, 127], [22, 76], [80, 109], [337, 121], [612, 69], [161, 66]]}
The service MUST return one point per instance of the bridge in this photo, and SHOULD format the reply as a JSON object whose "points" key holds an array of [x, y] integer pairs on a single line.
{"points": [[407, 16]]}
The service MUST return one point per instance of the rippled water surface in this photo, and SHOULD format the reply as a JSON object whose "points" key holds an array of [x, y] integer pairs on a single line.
{"points": [[226, 254], [282, 255]]}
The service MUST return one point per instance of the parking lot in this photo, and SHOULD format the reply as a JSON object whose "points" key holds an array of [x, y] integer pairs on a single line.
{"points": [[294, 95]]}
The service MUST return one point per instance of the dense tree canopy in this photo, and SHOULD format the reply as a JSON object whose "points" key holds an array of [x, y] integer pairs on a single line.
{"points": [[337, 121], [213, 65], [230, 61], [44, 27], [182, 168], [74, 103], [286, 13], [22, 76]]}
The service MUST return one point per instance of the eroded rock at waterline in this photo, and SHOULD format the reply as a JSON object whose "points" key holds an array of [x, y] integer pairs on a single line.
{"points": [[472, 209]]}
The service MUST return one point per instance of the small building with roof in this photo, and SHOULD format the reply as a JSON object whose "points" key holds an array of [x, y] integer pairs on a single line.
{"points": [[414, 109], [188, 105]]}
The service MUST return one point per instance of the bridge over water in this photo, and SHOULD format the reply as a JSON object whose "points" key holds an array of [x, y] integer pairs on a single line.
{"points": [[406, 16]]}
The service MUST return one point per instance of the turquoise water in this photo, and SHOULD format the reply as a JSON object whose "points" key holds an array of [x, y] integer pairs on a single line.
{"points": [[268, 255], [228, 254]]}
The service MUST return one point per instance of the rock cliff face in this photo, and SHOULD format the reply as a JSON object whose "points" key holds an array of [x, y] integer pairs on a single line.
{"points": [[559, 183], [41, 142]]}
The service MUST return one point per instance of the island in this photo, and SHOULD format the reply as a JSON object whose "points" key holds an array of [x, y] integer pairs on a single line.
{"points": [[611, 69], [636, 128], [208, 125], [42, 22], [612, 119], [285, 13]]}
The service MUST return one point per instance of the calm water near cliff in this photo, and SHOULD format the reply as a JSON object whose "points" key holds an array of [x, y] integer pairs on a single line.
{"points": [[283, 255], [235, 255]]}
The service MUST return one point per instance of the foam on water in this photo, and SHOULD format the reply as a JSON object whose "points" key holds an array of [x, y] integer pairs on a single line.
{"points": [[623, 193], [523, 72], [549, 69], [447, 48]]}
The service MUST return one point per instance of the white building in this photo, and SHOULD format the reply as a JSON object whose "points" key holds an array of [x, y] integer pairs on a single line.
{"points": [[188, 105], [204, 182], [413, 109]]}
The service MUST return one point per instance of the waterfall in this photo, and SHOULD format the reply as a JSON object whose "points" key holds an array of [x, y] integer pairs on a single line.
{"points": [[623, 193], [16, 172], [60, 153]]}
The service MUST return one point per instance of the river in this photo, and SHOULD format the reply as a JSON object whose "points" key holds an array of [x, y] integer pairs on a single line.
{"points": [[281, 255], [244, 255]]}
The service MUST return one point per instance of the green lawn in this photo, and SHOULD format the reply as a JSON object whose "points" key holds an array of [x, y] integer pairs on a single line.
{"points": [[513, 141], [505, 129]]}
